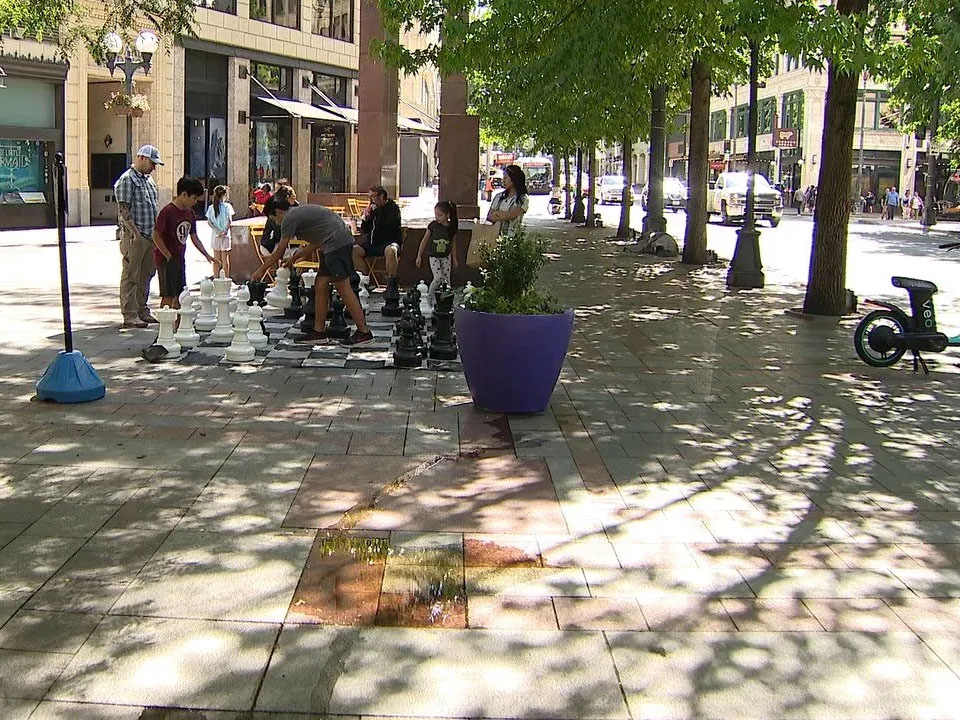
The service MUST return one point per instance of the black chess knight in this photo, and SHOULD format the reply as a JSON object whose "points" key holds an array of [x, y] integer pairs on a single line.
{"points": [[258, 293], [443, 343], [338, 327], [296, 305], [391, 299]]}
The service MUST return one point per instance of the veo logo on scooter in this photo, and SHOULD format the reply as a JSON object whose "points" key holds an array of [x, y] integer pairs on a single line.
{"points": [[928, 313]]}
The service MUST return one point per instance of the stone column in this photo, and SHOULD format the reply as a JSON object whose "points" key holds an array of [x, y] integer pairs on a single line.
{"points": [[300, 159], [76, 141], [458, 148], [238, 134], [377, 157]]}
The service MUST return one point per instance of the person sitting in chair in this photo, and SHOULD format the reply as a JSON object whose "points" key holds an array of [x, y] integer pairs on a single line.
{"points": [[381, 232]]}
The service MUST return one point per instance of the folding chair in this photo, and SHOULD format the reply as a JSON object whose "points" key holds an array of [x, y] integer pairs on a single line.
{"points": [[256, 235], [354, 205], [376, 266]]}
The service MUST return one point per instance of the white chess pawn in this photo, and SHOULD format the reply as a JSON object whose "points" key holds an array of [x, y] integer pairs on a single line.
{"points": [[255, 333], [185, 334], [207, 319], [243, 297], [426, 309], [223, 332], [364, 292], [468, 290], [279, 295], [240, 349], [167, 317]]}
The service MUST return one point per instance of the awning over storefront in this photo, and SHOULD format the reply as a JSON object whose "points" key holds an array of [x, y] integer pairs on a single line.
{"points": [[304, 111], [414, 126]]}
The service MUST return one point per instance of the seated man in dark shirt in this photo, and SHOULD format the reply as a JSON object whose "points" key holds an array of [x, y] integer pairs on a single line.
{"points": [[382, 236]]}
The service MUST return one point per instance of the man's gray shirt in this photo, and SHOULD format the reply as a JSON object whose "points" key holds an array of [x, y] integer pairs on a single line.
{"points": [[316, 225]]}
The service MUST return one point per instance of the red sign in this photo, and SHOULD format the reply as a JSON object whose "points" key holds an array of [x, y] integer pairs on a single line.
{"points": [[504, 158], [718, 165]]}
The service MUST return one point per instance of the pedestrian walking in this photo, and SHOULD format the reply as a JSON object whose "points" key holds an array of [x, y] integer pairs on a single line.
{"points": [[137, 200], [906, 208], [811, 198], [798, 200], [916, 204], [893, 203]]}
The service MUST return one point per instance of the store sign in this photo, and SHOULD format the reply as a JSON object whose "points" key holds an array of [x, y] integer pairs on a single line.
{"points": [[718, 165], [504, 158], [785, 137], [21, 169]]}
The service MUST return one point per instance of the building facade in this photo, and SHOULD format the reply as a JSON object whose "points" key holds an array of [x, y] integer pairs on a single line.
{"points": [[266, 90], [794, 98]]}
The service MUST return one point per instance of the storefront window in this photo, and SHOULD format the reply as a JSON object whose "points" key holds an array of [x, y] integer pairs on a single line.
{"points": [[718, 125], [22, 169], [28, 103], [333, 86], [278, 12], [273, 77], [333, 19], [269, 151]]}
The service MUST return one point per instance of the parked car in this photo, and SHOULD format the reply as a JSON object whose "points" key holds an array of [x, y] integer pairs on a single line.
{"points": [[729, 195], [674, 194], [610, 189]]}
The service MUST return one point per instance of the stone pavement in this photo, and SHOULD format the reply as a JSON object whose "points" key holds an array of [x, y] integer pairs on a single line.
{"points": [[723, 515]]}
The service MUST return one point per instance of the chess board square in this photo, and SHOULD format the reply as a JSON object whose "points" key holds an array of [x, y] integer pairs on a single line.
{"points": [[323, 362], [280, 354]]}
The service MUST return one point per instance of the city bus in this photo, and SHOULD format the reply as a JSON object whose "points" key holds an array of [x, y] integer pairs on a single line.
{"points": [[539, 172]]}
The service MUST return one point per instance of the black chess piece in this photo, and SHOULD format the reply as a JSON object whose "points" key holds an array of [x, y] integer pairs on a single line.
{"points": [[414, 297], [309, 309], [391, 299], [338, 327], [443, 344], [330, 301], [408, 353], [296, 304], [258, 293]]}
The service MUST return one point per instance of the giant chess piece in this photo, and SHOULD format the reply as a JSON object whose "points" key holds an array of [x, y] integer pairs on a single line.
{"points": [[426, 309], [391, 299], [295, 309], [223, 332], [243, 301], [167, 317], [338, 327], [279, 295], [257, 333], [443, 344], [310, 306], [408, 353], [207, 319], [185, 334], [364, 294], [240, 349], [413, 297], [258, 292]]}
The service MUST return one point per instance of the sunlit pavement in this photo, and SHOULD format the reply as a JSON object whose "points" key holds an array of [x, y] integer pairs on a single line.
{"points": [[724, 514]]}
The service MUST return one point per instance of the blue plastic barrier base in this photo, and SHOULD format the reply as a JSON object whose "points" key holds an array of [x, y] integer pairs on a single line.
{"points": [[70, 378]]}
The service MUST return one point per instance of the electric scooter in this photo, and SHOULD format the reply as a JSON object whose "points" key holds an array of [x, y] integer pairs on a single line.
{"points": [[885, 335]]}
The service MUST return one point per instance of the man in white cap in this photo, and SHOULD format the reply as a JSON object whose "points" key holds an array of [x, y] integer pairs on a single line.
{"points": [[137, 202]]}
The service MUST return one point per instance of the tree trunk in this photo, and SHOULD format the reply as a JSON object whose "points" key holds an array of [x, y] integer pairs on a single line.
{"points": [[828, 257], [698, 171], [578, 212], [623, 231], [654, 221], [592, 190], [566, 185], [929, 201], [555, 175]]}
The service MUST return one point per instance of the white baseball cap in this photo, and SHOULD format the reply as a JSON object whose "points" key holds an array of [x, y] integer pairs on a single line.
{"points": [[149, 151]]}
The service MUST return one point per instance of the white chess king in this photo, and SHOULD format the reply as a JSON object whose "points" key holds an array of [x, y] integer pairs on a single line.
{"points": [[223, 332]]}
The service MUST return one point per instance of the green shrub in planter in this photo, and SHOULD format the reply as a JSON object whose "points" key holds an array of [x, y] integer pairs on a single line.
{"points": [[509, 270]]}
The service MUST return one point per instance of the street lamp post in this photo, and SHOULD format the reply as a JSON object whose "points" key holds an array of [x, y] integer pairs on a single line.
{"points": [[863, 118], [745, 268], [146, 45]]}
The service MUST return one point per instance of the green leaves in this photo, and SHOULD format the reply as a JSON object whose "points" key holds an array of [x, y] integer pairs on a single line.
{"points": [[510, 271]]}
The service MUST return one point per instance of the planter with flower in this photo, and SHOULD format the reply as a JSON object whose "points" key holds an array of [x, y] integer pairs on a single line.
{"points": [[121, 103], [513, 337]]}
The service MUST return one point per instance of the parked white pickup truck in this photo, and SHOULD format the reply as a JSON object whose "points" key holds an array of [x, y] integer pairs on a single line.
{"points": [[728, 199]]}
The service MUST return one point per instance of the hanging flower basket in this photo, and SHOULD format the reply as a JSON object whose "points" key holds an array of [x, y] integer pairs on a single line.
{"points": [[134, 104]]}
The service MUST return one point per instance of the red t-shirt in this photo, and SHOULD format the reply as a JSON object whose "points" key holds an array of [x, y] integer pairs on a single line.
{"points": [[174, 226]]}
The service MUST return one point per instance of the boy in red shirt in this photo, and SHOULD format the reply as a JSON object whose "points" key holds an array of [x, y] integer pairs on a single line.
{"points": [[174, 223]]}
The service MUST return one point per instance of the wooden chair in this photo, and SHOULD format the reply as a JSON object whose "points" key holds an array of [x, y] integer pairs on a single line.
{"points": [[376, 266], [354, 205], [256, 235]]}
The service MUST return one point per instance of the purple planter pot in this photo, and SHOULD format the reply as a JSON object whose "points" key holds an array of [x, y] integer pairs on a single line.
{"points": [[512, 362]]}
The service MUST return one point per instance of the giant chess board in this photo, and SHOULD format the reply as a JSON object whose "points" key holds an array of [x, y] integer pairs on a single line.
{"points": [[283, 350]]}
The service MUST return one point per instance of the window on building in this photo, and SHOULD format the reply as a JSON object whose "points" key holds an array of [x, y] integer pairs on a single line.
{"points": [[873, 110], [273, 77], [791, 63], [333, 19], [226, 6], [791, 112], [718, 125], [278, 12], [738, 121], [766, 107], [333, 86]]}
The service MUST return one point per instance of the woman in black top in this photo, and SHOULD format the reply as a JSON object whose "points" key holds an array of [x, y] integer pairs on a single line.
{"points": [[439, 239]]}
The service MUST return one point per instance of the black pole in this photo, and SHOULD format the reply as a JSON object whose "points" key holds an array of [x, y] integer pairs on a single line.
{"points": [[746, 270], [60, 177]]}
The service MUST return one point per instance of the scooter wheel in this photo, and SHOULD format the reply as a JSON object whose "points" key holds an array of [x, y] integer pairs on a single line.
{"points": [[875, 338]]}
